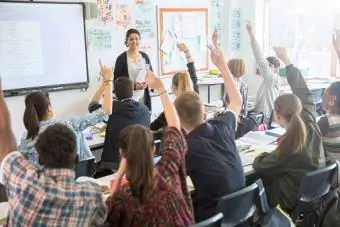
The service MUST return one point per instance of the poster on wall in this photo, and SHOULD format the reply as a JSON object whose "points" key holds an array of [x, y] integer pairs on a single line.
{"points": [[105, 10], [235, 31], [144, 19], [123, 16], [99, 39]]}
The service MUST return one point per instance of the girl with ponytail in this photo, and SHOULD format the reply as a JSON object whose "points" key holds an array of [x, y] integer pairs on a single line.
{"points": [[299, 150], [181, 82], [39, 115]]}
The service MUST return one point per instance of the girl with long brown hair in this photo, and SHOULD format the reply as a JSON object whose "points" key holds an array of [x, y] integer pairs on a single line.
{"points": [[181, 82], [154, 195], [39, 115], [299, 150]]}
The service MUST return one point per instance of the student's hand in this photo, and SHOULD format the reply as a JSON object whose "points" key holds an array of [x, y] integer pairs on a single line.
{"points": [[105, 71], [336, 41], [153, 81], [182, 47], [281, 53], [217, 57], [250, 28], [215, 38]]}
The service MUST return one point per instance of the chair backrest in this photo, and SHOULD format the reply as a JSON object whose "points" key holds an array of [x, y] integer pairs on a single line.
{"points": [[239, 206], [214, 221], [316, 184]]}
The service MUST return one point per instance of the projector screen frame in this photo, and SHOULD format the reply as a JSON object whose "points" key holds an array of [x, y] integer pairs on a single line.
{"points": [[83, 86]]}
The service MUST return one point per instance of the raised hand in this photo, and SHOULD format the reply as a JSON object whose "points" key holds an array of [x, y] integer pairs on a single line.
{"points": [[250, 28], [153, 81], [182, 47], [215, 38], [105, 71], [336, 40], [281, 53]]}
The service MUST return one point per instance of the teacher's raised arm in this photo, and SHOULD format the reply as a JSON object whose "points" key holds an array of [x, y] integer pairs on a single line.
{"points": [[134, 64]]}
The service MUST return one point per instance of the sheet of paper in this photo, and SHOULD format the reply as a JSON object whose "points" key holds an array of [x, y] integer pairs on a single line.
{"points": [[255, 138], [21, 55]]}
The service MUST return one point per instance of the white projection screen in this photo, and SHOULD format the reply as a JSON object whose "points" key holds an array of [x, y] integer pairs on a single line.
{"points": [[42, 46]]}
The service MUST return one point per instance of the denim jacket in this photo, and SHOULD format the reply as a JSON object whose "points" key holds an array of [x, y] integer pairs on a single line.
{"points": [[76, 124]]}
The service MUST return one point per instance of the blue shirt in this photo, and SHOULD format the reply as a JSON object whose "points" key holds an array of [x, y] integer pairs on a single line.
{"points": [[76, 124]]}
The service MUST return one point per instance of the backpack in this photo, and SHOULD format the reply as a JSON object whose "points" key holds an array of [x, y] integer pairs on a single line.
{"points": [[253, 122]]}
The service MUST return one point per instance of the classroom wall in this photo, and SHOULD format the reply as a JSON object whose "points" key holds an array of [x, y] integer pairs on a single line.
{"points": [[74, 102]]}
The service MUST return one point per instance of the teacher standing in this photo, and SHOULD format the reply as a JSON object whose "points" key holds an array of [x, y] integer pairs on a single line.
{"points": [[134, 64]]}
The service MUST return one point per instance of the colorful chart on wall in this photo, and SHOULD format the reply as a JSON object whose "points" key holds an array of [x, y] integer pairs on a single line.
{"points": [[183, 25]]}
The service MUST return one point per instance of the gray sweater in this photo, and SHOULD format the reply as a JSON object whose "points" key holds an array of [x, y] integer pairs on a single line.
{"points": [[269, 90]]}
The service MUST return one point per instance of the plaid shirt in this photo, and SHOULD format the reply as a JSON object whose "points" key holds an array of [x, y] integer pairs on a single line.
{"points": [[51, 198]]}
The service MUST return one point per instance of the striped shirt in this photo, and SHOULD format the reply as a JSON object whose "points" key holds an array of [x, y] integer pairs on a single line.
{"points": [[330, 129]]}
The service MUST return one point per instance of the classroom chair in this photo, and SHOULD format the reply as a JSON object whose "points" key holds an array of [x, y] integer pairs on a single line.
{"points": [[238, 207], [214, 221], [314, 190], [85, 168]]}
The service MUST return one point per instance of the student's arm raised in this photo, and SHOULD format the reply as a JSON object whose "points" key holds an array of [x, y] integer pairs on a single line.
{"points": [[190, 64], [258, 53], [336, 44], [298, 86], [229, 83], [8, 142], [169, 108]]}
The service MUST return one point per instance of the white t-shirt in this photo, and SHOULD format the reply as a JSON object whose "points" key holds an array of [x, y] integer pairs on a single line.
{"points": [[137, 72]]}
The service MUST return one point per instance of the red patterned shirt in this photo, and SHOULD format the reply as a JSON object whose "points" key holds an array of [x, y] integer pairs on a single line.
{"points": [[171, 204]]}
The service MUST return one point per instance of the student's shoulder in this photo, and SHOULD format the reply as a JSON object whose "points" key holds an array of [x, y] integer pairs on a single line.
{"points": [[227, 119], [323, 124]]}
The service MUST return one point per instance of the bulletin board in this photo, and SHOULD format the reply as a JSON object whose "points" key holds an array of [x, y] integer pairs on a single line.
{"points": [[188, 25]]}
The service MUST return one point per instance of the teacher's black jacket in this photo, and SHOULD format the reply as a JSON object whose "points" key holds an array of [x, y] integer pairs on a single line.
{"points": [[121, 69]]}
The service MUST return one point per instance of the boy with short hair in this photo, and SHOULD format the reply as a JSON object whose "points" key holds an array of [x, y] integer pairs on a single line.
{"points": [[213, 162]]}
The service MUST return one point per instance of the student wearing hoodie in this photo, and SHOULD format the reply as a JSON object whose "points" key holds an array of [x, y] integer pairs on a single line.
{"points": [[125, 112], [269, 90]]}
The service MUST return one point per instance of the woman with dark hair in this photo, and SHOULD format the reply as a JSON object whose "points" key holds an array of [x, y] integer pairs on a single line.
{"points": [[134, 64], [153, 195], [39, 115]]}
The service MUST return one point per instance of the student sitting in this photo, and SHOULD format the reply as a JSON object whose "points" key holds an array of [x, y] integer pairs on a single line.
{"points": [[300, 150], [39, 115], [330, 123], [125, 111], [154, 195], [51, 197], [213, 162], [180, 83], [237, 68], [269, 90]]}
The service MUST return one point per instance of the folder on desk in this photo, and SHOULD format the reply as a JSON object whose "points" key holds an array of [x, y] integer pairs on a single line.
{"points": [[276, 132]]}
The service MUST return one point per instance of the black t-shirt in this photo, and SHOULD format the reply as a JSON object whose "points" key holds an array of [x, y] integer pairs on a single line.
{"points": [[213, 163]]}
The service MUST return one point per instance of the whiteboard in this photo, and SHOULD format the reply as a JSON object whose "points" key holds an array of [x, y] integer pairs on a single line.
{"points": [[188, 25], [42, 46]]}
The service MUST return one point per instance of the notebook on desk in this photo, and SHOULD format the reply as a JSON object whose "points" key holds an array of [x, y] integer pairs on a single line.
{"points": [[255, 138]]}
